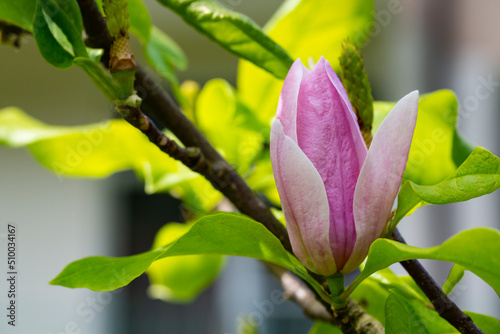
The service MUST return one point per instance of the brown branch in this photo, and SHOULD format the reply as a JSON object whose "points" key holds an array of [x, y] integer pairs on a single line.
{"points": [[299, 292], [159, 104], [97, 32], [443, 305], [352, 319], [191, 156]]}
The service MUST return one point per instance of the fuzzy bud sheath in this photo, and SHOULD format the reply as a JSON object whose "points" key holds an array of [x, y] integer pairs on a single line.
{"points": [[122, 64], [355, 80]]}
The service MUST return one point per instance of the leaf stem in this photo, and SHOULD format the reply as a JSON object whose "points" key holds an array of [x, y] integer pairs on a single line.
{"points": [[336, 285]]}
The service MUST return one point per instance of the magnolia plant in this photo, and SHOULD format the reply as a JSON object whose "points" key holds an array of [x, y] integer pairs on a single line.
{"points": [[302, 154]]}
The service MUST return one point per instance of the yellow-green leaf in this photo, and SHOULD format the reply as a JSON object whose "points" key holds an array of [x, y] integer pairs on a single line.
{"points": [[180, 278], [98, 150]]}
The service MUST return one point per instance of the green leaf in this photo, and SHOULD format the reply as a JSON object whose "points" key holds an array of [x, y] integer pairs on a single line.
{"points": [[479, 175], [160, 51], [233, 31], [57, 27], [66, 14], [140, 22], [228, 124], [336, 287], [50, 48], [100, 6], [95, 54], [461, 249], [486, 323], [321, 327], [371, 296], [461, 149], [404, 284], [100, 78], [163, 54], [261, 178], [401, 317], [373, 292], [456, 274], [431, 153], [18, 12], [98, 150], [305, 29], [169, 49], [197, 194], [223, 234], [180, 278], [18, 129]]}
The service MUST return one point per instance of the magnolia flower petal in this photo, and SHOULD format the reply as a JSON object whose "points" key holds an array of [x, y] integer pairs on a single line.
{"points": [[357, 137], [287, 104], [329, 136], [304, 202], [381, 175]]}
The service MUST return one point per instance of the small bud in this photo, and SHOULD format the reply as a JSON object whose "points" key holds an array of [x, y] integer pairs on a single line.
{"points": [[355, 81], [122, 64], [121, 57], [117, 17]]}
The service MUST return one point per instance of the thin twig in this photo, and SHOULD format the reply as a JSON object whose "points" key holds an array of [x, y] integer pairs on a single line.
{"points": [[191, 156], [443, 305], [296, 290]]}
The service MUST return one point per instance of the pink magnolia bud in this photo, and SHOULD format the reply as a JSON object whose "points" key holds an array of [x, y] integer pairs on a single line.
{"points": [[336, 196]]}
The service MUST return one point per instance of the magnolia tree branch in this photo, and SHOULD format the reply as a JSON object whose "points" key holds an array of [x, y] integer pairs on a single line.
{"points": [[191, 156], [443, 305], [352, 319], [159, 104], [299, 292]]}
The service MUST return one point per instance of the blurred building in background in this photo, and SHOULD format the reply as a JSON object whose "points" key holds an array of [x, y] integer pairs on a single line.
{"points": [[426, 45]]}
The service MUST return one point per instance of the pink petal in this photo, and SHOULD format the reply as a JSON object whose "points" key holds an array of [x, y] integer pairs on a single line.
{"points": [[328, 134], [287, 104], [304, 202], [357, 137], [381, 175]]}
